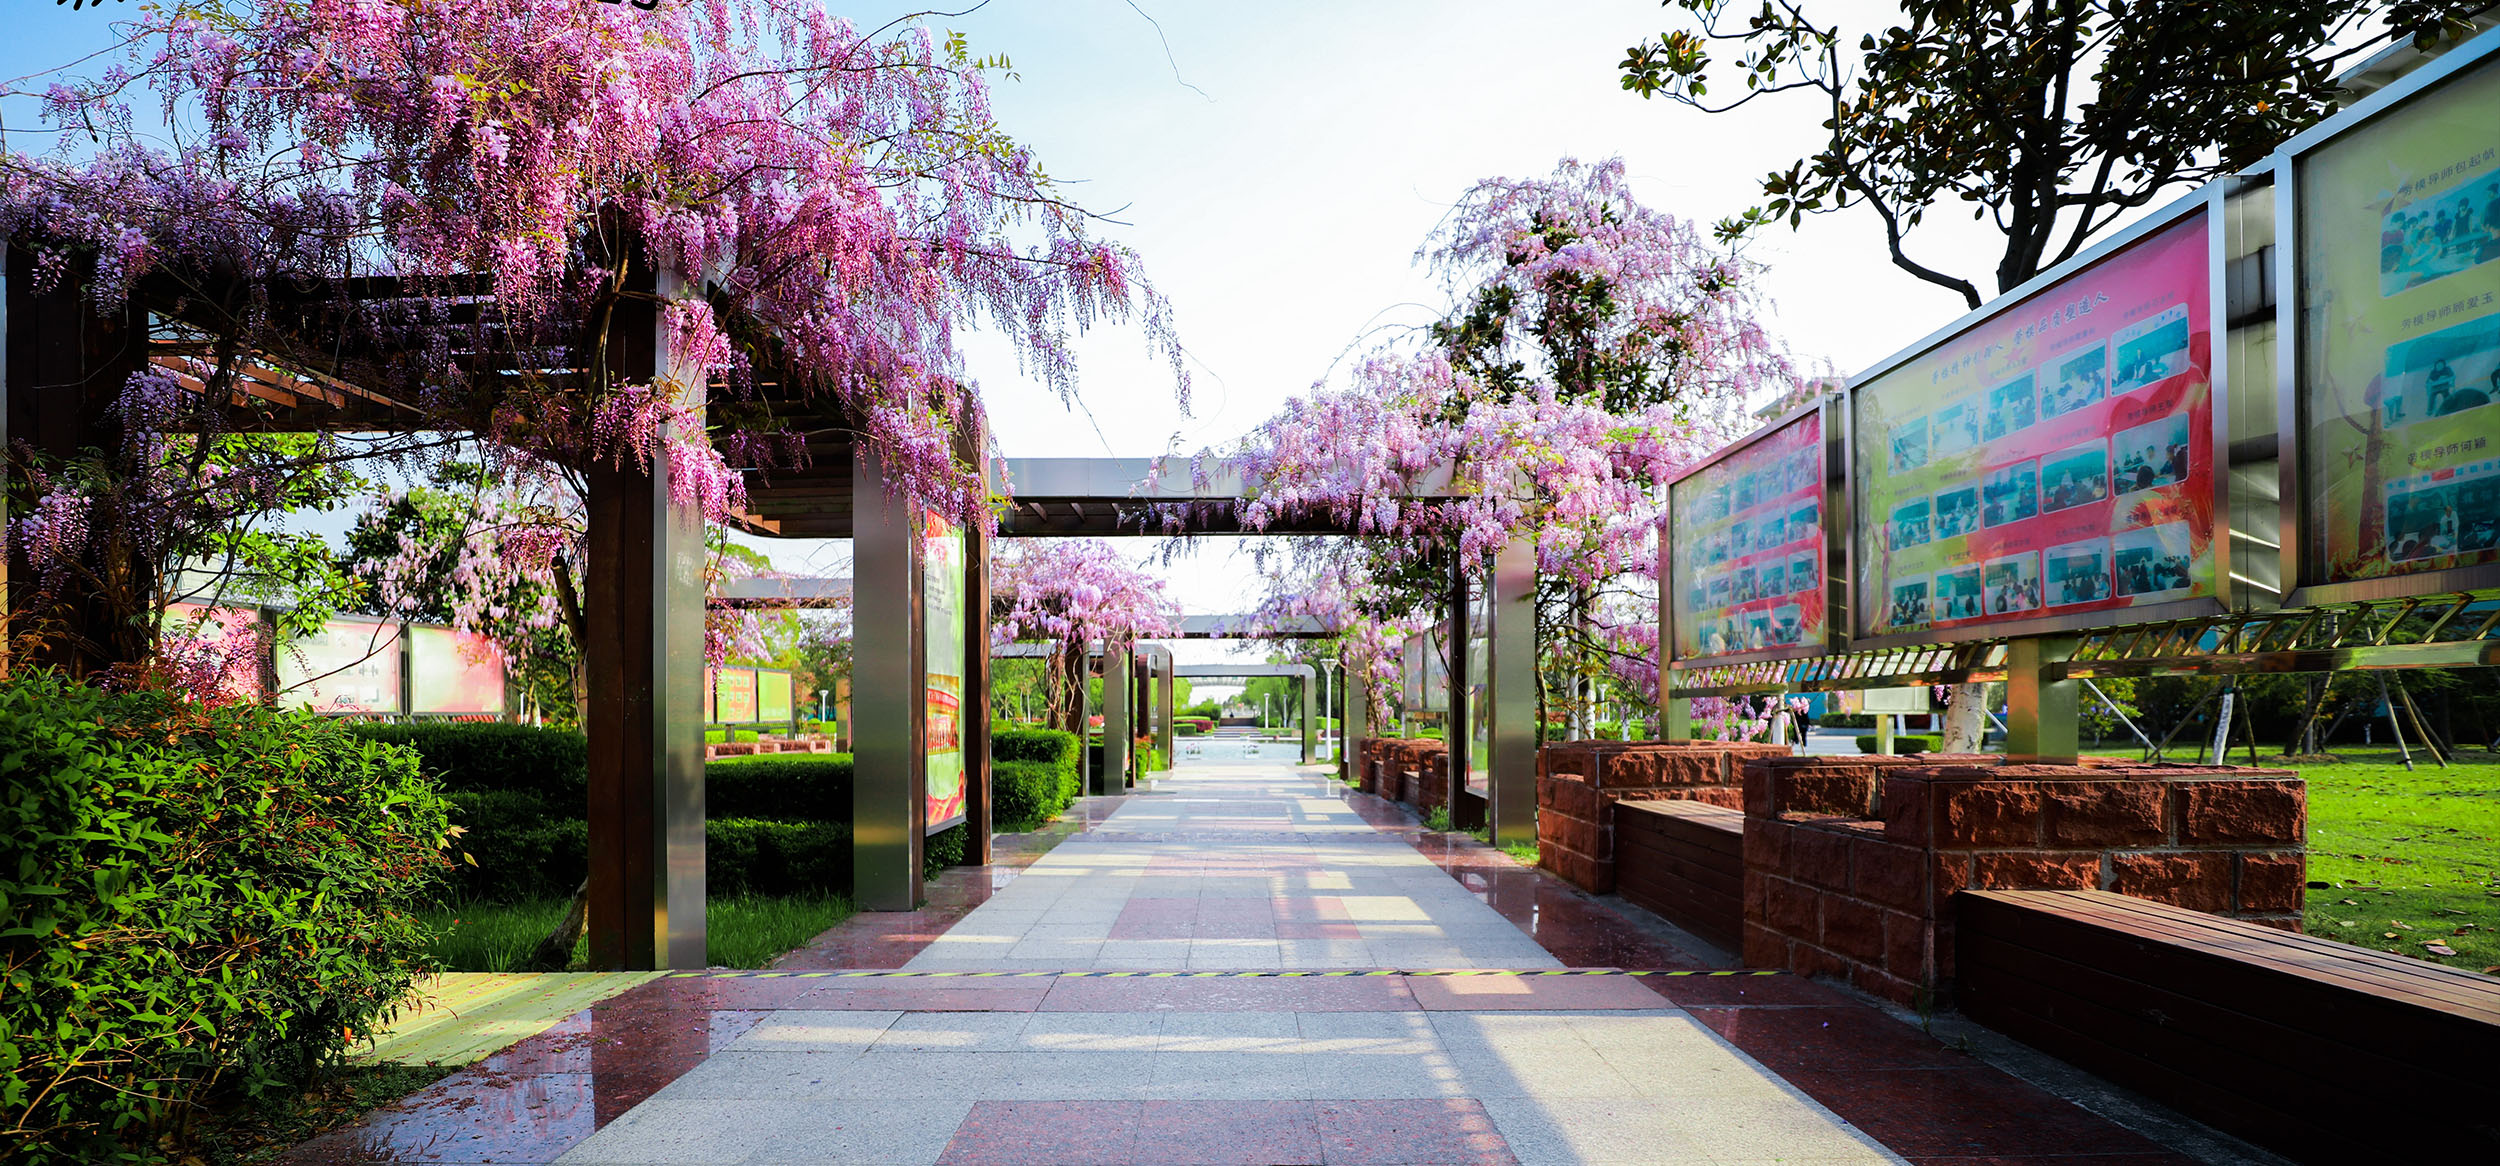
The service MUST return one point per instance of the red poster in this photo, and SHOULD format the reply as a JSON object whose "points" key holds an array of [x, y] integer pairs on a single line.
{"points": [[2054, 460], [1746, 553]]}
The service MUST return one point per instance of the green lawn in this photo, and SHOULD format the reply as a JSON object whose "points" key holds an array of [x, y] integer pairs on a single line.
{"points": [[742, 931], [2409, 858]]}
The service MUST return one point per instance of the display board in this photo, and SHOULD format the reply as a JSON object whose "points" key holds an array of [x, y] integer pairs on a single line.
{"points": [[1424, 680], [2051, 465], [226, 637], [453, 672], [2398, 431], [1746, 546], [772, 695], [349, 666], [942, 612], [736, 703]]}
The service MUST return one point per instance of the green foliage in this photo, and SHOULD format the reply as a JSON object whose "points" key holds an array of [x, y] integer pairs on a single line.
{"points": [[553, 763], [1188, 729], [739, 931], [1438, 821], [1904, 744], [793, 787], [943, 849], [1025, 794], [1205, 710], [730, 736], [2121, 101], [751, 931], [1051, 747], [754, 856], [200, 902]]}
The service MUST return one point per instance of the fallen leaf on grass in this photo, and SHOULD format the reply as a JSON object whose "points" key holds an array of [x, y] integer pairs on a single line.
{"points": [[2437, 948], [2349, 902], [2400, 925], [2387, 935]]}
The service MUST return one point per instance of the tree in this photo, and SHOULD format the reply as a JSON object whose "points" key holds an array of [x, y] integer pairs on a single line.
{"points": [[839, 203], [1072, 594], [2050, 118]]}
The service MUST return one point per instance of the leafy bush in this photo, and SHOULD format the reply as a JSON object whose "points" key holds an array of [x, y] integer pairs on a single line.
{"points": [[1904, 744], [201, 903], [729, 736], [516, 847], [751, 856], [1187, 729], [943, 849], [1025, 794], [553, 763], [1049, 746], [790, 787]]}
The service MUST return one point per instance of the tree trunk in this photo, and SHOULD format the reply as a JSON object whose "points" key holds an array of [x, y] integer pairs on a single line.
{"points": [[1965, 719], [555, 952]]}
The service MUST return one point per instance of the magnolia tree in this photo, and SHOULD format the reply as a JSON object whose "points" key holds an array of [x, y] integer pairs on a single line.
{"points": [[1596, 348], [839, 203], [1069, 595]]}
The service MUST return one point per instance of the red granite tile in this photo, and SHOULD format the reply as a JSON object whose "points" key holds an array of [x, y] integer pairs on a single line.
{"points": [[2164, 1158], [474, 1115], [1490, 993], [1455, 1132], [1044, 1133], [1226, 1133], [1744, 991], [708, 994], [1967, 1112], [1845, 1038], [1231, 994]]}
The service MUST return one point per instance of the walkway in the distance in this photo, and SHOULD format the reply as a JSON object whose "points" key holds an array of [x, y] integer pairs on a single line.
{"points": [[1234, 872], [1194, 974]]}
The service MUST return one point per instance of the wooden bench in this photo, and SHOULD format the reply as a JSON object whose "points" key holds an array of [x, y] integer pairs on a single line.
{"points": [[1684, 860], [2320, 1050]]}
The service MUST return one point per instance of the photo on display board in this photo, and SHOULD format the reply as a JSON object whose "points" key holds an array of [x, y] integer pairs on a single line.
{"points": [[2013, 583], [1909, 445], [1803, 575], [2451, 513], [2152, 455], [1740, 586], [1787, 625], [1758, 629], [2150, 350], [2012, 405], [2442, 374], [2081, 379], [2077, 476], [2078, 572], [1745, 487], [1804, 520], [2441, 235], [2152, 561], [2011, 493], [1909, 602], [1954, 428], [1739, 541], [1957, 511], [1909, 523], [1957, 594], [1710, 507], [1718, 592], [1770, 580]]}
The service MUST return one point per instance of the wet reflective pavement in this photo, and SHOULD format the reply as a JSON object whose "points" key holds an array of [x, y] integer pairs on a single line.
{"points": [[932, 1060]]}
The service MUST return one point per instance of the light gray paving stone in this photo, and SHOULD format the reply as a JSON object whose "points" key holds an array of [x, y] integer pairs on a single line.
{"points": [[796, 1031]]}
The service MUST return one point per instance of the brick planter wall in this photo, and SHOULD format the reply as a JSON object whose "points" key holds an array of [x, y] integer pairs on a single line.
{"points": [[1383, 763], [1851, 880], [1684, 860], [1578, 783]]}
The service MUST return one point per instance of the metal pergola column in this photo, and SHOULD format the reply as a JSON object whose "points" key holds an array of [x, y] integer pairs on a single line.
{"points": [[1117, 740], [643, 667], [888, 776], [1356, 724], [1510, 794], [1310, 723]]}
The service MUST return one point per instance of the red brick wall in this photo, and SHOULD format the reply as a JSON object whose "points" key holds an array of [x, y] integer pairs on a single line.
{"points": [[1578, 783], [1684, 860], [1383, 763], [1853, 880]]}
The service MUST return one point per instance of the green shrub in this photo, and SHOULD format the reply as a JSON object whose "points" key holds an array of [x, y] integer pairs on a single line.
{"points": [[1049, 746], [749, 856], [943, 849], [515, 847], [199, 904], [729, 736], [1187, 729], [1904, 744], [1025, 794], [553, 763], [789, 787]]}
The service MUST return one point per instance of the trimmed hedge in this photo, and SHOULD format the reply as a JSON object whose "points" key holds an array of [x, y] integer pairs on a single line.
{"points": [[1904, 744], [553, 763], [198, 903], [750, 856], [789, 787]]}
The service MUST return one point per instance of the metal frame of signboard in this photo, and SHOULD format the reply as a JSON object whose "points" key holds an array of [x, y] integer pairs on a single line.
{"points": [[2206, 200], [2301, 588], [1835, 636]]}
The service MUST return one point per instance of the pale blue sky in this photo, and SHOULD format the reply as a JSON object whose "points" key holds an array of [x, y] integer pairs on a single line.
{"points": [[1279, 184]]}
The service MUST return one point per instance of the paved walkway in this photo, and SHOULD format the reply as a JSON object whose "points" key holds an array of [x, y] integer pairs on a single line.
{"points": [[1244, 965]]}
